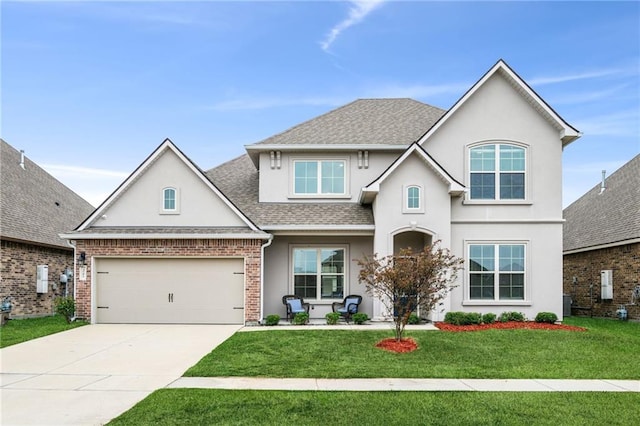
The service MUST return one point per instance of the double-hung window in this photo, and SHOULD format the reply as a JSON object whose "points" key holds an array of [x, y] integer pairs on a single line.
{"points": [[319, 272], [324, 177], [497, 172], [497, 271]]}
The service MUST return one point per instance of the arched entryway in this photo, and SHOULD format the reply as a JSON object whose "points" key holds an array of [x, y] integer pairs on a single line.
{"points": [[416, 240]]}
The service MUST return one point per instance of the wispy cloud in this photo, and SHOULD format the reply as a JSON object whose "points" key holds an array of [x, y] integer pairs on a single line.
{"points": [[357, 12], [417, 91], [83, 172], [94, 185], [249, 103], [622, 123], [616, 92], [540, 81]]}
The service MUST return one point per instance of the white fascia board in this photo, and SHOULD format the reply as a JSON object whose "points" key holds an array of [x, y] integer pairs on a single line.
{"points": [[327, 147], [124, 185], [150, 236], [567, 132], [444, 176], [167, 144], [319, 228]]}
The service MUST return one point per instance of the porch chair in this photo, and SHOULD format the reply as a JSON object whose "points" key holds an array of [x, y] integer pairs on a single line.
{"points": [[295, 305], [348, 306]]}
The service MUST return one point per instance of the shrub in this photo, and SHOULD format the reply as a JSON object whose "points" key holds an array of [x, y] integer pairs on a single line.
{"points": [[511, 316], [548, 317], [272, 319], [472, 318], [489, 318], [332, 318], [455, 318], [360, 318], [413, 319], [463, 318], [66, 307], [301, 318]]}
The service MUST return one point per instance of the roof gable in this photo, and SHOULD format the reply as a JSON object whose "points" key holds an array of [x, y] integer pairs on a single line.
{"points": [[34, 206], [368, 193], [606, 217], [165, 165], [566, 132]]}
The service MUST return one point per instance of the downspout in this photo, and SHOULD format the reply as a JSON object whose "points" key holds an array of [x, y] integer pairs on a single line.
{"points": [[264, 246], [72, 244]]}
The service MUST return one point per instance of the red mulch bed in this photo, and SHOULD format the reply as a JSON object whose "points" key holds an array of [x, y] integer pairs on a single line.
{"points": [[392, 345], [530, 325]]}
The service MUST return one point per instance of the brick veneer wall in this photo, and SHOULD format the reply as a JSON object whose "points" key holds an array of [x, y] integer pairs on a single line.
{"points": [[18, 277], [586, 266], [249, 249]]}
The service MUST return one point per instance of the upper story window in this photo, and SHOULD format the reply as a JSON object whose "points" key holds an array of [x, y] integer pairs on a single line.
{"points": [[169, 200], [497, 172], [413, 199], [325, 177]]}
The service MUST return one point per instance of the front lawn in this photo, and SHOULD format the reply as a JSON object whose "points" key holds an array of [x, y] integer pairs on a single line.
{"points": [[608, 350], [20, 330], [241, 407]]}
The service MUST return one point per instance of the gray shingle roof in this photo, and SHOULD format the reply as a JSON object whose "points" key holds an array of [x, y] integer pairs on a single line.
{"points": [[364, 121], [610, 217], [238, 180], [34, 206]]}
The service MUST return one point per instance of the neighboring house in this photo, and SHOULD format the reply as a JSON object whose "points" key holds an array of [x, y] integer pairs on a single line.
{"points": [[602, 233], [34, 209], [175, 244]]}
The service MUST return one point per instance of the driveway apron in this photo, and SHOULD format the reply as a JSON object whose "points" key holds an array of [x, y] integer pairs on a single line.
{"points": [[91, 374]]}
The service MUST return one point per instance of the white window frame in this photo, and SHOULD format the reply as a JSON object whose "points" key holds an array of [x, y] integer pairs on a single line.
{"points": [[318, 248], [497, 173], [176, 192], [525, 301], [405, 199], [319, 161]]}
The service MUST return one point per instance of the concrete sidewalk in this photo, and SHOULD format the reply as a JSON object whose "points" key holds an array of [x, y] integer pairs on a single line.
{"points": [[487, 385]]}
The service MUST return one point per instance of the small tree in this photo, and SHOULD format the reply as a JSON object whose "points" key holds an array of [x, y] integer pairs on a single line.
{"points": [[408, 280]]}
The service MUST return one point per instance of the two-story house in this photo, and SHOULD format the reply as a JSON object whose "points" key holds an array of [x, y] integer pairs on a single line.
{"points": [[291, 216]]}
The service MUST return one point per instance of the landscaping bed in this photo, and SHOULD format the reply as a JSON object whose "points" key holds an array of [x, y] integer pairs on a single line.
{"points": [[510, 325]]}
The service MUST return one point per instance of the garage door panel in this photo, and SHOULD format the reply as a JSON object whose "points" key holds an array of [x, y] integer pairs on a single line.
{"points": [[166, 290]]}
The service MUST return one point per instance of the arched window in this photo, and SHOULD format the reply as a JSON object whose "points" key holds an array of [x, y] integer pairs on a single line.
{"points": [[413, 197], [169, 202], [497, 172]]}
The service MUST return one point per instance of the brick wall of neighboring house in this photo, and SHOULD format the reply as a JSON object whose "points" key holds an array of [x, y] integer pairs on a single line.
{"points": [[249, 249], [18, 277], [586, 266]]}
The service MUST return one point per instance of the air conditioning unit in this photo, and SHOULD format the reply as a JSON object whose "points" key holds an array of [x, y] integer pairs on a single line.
{"points": [[606, 284], [42, 279]]}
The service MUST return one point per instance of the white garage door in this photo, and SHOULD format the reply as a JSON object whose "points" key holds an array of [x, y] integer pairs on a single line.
{"points": [[171, 291]]}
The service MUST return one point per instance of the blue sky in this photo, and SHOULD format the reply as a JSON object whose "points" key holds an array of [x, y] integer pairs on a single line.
{"points": [[89, 89]]}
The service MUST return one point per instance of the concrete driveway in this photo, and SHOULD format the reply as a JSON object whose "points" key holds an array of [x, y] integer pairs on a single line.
{"points": [[91, 374]]}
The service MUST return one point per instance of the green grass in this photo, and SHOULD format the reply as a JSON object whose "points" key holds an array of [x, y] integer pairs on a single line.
{"points": [[608, 350], [241, 407], [20, 330]]}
